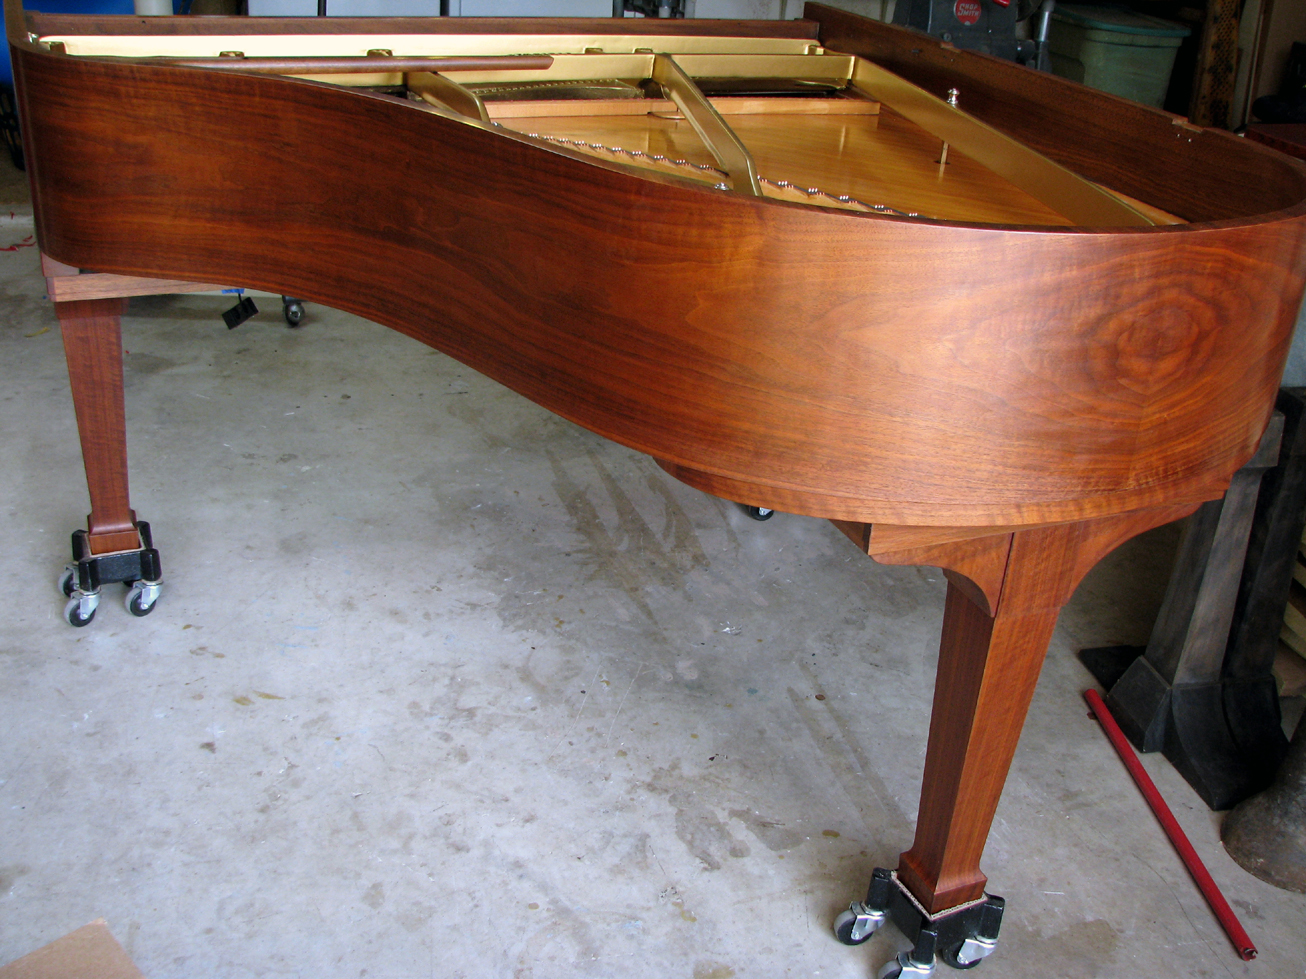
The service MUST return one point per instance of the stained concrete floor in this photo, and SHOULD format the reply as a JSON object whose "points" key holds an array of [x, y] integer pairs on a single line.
{"points": [[441, 685]]}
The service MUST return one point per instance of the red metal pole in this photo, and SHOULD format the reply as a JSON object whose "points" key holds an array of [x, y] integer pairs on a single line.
{"points": [[1228, 920]]}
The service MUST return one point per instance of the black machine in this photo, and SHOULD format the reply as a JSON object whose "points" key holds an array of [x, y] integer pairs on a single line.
{"points": [[989, 26], [649, 8]]}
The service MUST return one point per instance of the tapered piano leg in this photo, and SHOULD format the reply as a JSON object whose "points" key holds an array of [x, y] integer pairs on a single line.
{"points": [[1005, 591], [988, 667], [92, 339], [114, 546], [1002, 606]]}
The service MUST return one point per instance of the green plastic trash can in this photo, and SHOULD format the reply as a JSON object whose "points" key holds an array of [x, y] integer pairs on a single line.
{"points": [[1115, 50]]}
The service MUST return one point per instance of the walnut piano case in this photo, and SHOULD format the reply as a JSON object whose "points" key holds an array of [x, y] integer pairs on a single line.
{"points": [[982, 318]]}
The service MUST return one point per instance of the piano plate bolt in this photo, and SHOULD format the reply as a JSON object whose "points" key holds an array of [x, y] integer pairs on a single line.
{"points": [[943, 153]]}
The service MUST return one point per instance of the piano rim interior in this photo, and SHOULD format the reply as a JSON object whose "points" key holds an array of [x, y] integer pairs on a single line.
{"points": [[162, 47]]}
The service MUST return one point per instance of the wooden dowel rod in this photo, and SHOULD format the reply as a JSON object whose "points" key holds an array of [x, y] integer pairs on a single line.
{"points": [[363, 64], [1201, 876]]}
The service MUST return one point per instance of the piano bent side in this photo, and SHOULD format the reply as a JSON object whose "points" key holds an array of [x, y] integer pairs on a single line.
{"points": [[1006, 402]]}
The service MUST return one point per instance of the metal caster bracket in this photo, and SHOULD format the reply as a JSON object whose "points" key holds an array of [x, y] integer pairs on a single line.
{"points": [[139, 568], [962, 936], [905, 966], [293, 310]]}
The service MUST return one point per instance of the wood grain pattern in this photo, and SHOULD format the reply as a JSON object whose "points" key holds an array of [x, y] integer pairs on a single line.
{"points": [[989, 660], [1008, 401], [92, 341], [98, 285], [865, 368], [976, 565]]}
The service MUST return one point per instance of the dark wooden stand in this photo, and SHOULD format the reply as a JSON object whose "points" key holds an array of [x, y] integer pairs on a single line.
{"points": [[1202, 690]]}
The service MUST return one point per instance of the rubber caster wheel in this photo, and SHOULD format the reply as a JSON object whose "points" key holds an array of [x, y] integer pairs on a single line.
{"points": [[759, 512], [141, 599], [75, 616], [949, 956], [68, 581], [294, 313], [905, 967], [852, 928], [843, 929], [967, 954]]}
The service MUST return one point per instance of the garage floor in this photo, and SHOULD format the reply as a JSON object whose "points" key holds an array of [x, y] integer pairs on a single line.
{"points": [[441, 685]]}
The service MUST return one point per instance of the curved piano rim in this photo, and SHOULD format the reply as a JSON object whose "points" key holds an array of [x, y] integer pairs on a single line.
{"points": [[854, 366]]}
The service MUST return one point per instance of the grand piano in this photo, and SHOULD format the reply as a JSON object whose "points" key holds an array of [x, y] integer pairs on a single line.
{"points": [[981, 318]]}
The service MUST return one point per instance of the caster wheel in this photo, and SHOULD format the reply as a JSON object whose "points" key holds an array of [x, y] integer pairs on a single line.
{"points": [[905, 967], [68, 581], [950, 956], [843, 929], [76, 616], [759, 512], [853, 928], [141, 599], [294, 313], [967, 954]]}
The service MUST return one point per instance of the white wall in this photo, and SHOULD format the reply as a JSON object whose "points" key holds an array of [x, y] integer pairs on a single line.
{"points": [[743, 9], [345, 8], [537, 8]]}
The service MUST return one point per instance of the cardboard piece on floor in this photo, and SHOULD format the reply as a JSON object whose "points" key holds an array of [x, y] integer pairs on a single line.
{"points": [[88, 953]]}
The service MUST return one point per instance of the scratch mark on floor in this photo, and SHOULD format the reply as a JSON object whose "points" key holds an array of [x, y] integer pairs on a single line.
{"points": [[576, 720], [623, 701]]}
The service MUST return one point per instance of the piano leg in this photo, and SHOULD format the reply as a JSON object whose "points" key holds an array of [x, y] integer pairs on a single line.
{"points": [[114, 547], [1005, 592], [988, 667], [92, 343]]}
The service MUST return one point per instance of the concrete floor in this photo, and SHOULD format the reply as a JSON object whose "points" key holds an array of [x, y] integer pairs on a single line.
{"points": [[441, 685]]}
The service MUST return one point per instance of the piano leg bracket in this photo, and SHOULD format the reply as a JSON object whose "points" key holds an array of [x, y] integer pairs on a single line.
{"points": [[961, 937], [138, 568]]}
